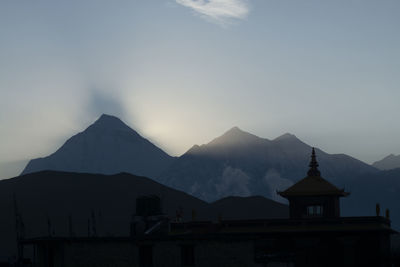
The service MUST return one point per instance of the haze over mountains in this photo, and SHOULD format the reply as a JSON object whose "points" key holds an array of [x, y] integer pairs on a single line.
{"points": [[235, 164]]}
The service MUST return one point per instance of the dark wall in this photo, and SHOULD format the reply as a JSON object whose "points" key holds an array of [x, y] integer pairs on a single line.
{"points": [[298, 206]]}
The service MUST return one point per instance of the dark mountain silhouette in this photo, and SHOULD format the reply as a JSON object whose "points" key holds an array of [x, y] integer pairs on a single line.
{"points": [[239, 163], [108, 146], [368, 189], [388, 163], [110, 199]]}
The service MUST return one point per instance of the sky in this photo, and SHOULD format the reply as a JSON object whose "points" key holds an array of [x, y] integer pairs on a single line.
{"points": [[182, 72]]}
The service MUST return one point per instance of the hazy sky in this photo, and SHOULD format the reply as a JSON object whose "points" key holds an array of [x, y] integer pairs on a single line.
{"points": [[182, 72]]}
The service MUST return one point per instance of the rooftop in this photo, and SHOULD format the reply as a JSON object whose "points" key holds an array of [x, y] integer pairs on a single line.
{"points": [[244, 229], [313, 184]]}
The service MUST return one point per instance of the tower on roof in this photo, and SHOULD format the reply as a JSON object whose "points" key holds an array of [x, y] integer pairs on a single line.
{"points": [[313, 171], [313, 196]]}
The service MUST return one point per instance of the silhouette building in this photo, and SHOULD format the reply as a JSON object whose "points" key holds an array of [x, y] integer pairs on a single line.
{"points": [[313, 196], [314, 235]]}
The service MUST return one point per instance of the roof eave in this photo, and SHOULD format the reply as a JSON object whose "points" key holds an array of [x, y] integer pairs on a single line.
{"points": [[310, 194]]}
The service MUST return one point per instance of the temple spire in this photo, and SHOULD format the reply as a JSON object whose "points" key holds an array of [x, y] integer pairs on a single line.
{"points": [[313, 171]]}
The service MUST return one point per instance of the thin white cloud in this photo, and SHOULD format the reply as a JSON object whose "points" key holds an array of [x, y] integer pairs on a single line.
{"points": [[219, 10]]}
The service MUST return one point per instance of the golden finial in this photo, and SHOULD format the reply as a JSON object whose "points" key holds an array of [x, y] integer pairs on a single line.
{"points": [[378, 209], [387, 214]]}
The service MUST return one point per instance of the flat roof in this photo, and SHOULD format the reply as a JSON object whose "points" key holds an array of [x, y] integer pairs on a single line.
{"points": [[245, 229]]}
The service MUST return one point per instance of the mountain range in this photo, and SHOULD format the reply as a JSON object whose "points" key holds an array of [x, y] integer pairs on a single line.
{"points": [[240, 163], [235, 164]]}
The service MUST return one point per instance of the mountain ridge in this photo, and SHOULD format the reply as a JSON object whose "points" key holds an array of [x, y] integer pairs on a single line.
{"points": [[388, 163], [235, 163], [255, 165], [235, 134], [107, 146]]}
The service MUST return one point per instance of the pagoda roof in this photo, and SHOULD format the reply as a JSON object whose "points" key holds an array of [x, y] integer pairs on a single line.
{"points": [[313, 184]]}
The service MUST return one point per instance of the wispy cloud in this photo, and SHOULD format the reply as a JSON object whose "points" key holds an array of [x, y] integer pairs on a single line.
{"points": [[221, 11], [276, 183], [233, 182]]}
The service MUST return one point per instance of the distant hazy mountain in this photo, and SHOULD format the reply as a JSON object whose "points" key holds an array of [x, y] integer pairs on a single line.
{"points": [[239, 163], [110, 199], [108, 146], [388, 163]]}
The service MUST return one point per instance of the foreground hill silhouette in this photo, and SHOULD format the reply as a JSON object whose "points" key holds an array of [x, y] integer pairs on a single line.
{"points": [[110, 199], [108, 146]]}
